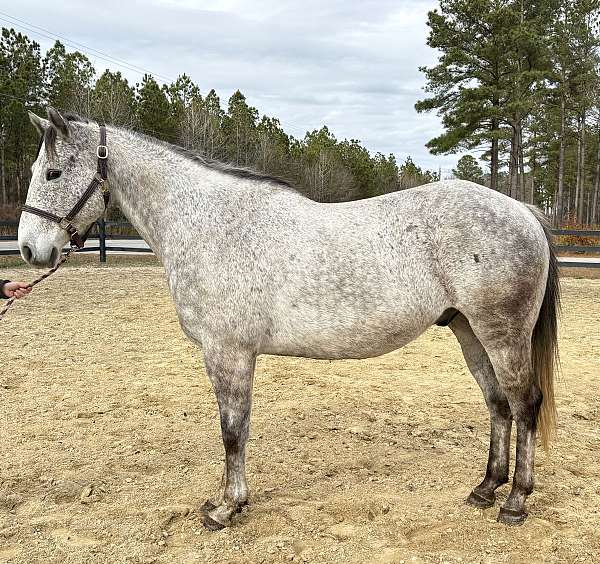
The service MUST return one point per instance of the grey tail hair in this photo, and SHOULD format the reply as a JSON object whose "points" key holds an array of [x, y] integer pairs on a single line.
{"points": [[544, 341]]}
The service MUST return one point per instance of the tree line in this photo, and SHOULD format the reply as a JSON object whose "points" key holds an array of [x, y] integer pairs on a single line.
{"points": [[323, 167], [518, 82]]}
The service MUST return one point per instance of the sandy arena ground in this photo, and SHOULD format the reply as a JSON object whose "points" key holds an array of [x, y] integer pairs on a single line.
{"points": [[109, 441]]}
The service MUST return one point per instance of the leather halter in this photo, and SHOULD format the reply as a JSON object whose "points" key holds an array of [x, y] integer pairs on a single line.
{"points": [[66, 222]]}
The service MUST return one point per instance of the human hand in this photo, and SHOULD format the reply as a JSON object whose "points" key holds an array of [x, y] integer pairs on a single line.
{"points": [[16, 289]]}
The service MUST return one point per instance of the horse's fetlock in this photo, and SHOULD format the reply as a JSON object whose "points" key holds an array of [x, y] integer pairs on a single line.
{"points": [[527, 489], [500, 480]]}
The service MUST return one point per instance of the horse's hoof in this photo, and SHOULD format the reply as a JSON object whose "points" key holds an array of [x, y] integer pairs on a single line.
{"points": [[513, 517], [212, 525], [207, 506], [477, 500]]}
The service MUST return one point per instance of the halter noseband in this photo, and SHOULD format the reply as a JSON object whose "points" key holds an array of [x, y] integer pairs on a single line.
{"points": [[66, 222]]}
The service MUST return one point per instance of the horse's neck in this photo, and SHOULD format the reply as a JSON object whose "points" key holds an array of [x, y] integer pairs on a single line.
{"points": [[155, 188]]}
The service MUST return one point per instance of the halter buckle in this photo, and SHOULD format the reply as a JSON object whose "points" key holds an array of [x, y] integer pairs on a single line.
{"points": [[102, 148], [65, 224]]}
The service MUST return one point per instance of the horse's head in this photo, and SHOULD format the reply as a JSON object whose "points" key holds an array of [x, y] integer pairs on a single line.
{"points": [[65, 165]]}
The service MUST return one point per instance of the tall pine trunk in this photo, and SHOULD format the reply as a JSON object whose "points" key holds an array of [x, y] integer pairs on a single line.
{"points": [[3, 174], [596, 184], [494, 156], [532, 167], [558, 212], [582, 175], [578, 169], [522, 196], [513, 164]]}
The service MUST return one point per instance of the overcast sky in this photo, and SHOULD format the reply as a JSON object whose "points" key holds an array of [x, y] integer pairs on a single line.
{"points": [[352, 65]]}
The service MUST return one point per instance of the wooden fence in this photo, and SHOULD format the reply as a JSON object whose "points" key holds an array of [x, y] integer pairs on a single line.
{"points": [[102, 233]]}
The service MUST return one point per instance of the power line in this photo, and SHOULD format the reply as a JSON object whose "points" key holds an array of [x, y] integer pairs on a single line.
{"points": [[32, 28]]}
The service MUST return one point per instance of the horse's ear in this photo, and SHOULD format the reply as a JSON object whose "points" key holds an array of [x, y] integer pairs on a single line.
{"points": [[39, 123], [58, 122]]}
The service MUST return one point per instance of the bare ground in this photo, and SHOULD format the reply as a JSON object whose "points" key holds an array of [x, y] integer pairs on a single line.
{"points": [[109, 442]]}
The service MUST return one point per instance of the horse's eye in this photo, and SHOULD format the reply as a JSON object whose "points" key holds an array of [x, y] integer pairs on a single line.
{"points": [[53, 174]]}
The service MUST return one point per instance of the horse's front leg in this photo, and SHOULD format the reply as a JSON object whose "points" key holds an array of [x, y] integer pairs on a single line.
{"points": [[231, 373]]}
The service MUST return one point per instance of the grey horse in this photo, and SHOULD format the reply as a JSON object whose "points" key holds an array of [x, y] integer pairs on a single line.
{"points": [[254, 267]]}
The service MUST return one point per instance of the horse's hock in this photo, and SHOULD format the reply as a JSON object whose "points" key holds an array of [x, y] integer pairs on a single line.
{"points": [[111, 441]]}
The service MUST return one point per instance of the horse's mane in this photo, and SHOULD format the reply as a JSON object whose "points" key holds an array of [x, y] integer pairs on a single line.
{"points": [[227, 168]]}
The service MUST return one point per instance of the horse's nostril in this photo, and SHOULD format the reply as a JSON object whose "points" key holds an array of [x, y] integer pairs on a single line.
{"points": [[53, 255], [27, 254]]}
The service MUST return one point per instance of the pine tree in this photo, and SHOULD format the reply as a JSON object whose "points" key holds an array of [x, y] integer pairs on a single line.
{"points": [[153, 110], [468, 168], [385, 174], [411, 175], [114, 100], [20, 81], [323, 174], [68, 80], [493, 58], [273, 147], [527, 62], [212, 141], [360, 164], [466, 83], [574, 79], [239, 129], [186, 107]]}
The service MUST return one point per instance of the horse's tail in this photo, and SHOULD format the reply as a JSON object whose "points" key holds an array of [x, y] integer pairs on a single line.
{"points": [[544, 341]]}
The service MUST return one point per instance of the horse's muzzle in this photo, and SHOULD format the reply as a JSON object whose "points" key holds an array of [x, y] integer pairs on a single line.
{"points": [[45, 258]]}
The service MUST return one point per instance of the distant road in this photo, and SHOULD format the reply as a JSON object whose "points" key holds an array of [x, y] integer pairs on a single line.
{"points": [[139, 244]]}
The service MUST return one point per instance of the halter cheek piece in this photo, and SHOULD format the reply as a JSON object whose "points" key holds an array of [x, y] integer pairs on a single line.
{"points": [[66, 222]]}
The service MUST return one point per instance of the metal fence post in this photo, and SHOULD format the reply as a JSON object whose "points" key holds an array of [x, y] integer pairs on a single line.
{"points": [[102, 239]]}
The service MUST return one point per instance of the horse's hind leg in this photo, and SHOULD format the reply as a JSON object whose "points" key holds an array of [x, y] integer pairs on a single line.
{"points": [[231, 373], [500, 415], [511, 359]]}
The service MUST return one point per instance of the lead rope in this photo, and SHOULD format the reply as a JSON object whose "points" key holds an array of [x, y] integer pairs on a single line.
{"points": [[63, 259]]}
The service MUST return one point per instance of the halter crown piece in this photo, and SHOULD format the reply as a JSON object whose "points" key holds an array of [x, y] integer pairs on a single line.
{"points": [[66, 222]]}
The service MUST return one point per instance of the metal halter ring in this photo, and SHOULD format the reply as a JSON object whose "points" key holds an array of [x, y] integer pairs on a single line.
{"points": [[105, 149]]}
